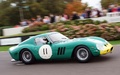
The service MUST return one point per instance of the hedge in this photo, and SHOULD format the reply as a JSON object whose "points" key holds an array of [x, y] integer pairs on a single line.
{"points": [[81, 28]]}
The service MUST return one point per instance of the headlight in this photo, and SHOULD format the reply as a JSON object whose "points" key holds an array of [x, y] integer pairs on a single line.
{"points": [[100, 46]]}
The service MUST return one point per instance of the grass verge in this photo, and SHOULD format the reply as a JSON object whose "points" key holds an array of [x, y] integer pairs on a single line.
{"points": [[4, 48], [116, 42]]}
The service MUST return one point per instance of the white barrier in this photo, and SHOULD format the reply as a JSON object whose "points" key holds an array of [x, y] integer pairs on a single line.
{"points": [[10, 41], [113, 14], [108, 19], [13, 31]]}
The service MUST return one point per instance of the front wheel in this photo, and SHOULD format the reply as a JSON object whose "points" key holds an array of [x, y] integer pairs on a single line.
{"points": [[82, 54], [27, 57]]}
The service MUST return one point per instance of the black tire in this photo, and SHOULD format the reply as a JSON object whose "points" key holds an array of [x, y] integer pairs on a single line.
{"points": [[27, 57], [83, 54]]}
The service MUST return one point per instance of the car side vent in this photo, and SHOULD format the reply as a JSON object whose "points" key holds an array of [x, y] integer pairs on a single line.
{"points": [[61, 51]]}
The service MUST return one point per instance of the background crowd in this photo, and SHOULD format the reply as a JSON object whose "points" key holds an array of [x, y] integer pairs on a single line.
{"points": [[88, 13]]}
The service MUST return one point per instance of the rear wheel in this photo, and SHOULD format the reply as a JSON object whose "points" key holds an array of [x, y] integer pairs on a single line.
{"points": [[82, 54], [27, 57]]}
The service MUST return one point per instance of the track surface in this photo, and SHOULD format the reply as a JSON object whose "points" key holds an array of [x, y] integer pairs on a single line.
{"points": [[105, 65]]}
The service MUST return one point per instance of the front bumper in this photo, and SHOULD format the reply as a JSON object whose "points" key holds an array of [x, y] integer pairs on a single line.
{"points": [[108, 49]]}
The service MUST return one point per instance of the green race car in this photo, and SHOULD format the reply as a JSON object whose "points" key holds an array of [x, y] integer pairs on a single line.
{"points": [[54, 45]]}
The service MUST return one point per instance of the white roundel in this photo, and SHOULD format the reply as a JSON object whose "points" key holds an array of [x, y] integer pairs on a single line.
{"points": [[45, 52]]}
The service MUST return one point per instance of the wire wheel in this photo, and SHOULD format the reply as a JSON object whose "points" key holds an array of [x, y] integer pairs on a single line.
{"points": [[82, 54], [27, 57]]}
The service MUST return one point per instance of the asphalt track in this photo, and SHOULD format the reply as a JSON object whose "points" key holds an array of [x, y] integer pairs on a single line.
{"points": [[105, 65]]}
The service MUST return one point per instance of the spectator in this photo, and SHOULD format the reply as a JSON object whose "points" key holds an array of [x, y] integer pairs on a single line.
{"points": [[66, 16], [83, 16], [16, 26], [33, 19], [88, 12], [75, 16], [94, 13], [23, 23], [104, 12], [52, 18], [29, 22], [57, 18], [114, 9], [98, 13], [39, 19], [118, 9], [109, 9], [46, 19], [62, 18]]}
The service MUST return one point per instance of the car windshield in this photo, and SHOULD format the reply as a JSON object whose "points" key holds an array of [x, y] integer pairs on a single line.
{"points": [[57, 37]]}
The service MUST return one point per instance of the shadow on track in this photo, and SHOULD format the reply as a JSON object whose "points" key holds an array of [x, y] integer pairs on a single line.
{"points": [[71, 61]]}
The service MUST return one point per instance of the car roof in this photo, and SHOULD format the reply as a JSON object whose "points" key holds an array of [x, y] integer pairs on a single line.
{"points": [[44, 34]]}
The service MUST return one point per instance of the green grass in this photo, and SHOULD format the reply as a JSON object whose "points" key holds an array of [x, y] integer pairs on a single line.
{"points": [[5, 48], [116, 42]]}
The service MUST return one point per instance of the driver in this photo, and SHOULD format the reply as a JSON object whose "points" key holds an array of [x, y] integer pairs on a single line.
{"points": [[44, 40], [41, 41]]}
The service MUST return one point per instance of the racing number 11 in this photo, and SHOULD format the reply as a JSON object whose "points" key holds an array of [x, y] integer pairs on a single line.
{"points": [[45, 52]]}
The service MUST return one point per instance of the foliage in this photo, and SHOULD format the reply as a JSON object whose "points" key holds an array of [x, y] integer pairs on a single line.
{"points": [[76, 6], [81, 28], [78, 22], [53, 6], [4, 48], [1, 32], [102, 30], [11, 16], [99, 22], [36, 27], [106, 3], [39, 26]]}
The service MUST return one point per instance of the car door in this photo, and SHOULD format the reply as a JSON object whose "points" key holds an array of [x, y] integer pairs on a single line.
{"points": [[58, 51]]}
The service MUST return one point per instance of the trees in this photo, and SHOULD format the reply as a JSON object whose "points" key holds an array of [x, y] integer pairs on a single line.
{"points": [[7, 14], [53, 6], [75, 6], [106, 3], [11, 15]]}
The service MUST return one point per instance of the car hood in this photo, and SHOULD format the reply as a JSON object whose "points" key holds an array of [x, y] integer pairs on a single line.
{"points": [[89, 39]]}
